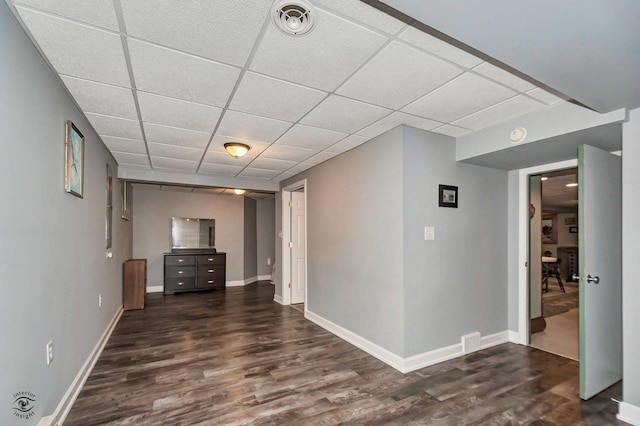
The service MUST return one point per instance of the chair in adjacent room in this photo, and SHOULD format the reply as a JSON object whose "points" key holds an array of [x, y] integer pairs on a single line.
{"points": [[553, 269]]}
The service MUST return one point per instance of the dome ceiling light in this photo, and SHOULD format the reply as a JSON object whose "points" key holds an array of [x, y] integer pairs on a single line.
{"points": [[236, 149]]}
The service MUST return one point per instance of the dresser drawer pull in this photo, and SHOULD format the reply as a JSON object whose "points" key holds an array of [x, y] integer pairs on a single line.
{"points": [[211, 270], [210, 281], [180, 284], [181, 272], [180, 260], [210, 260]]}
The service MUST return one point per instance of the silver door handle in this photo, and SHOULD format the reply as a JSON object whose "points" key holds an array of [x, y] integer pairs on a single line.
{"points": [[594, 280], [575, 277]]}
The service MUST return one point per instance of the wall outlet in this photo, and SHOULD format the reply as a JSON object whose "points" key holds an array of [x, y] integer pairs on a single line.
{"points": [[99, 301], [268, 261], [50, 352]]}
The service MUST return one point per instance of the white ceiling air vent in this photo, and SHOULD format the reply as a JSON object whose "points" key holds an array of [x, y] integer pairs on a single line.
{"points": [[294, 17]]}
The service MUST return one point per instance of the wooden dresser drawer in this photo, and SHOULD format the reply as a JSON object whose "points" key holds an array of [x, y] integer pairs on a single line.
{"points": [[211, 270], [180, 271], [211, 259], [214, 281], [178, 284], [179, 260]]}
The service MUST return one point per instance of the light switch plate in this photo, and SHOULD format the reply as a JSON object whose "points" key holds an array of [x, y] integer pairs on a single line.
{"points": [[429, 233]]}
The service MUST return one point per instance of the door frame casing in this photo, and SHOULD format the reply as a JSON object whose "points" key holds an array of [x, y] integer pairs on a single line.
{"points": [[523, 337], [286, 238]]}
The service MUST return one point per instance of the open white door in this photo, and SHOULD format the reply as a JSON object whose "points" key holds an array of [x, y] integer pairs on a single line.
{"points": [[298, 241], [600, 264]]}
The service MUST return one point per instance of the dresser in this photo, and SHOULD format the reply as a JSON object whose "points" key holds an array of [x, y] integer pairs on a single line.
{"points": [[194, 271]]}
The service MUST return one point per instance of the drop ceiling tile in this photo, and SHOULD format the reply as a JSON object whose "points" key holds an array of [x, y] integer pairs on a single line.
{"points": [[504, 77], [308, 137], [498, 113], [301, 167], [273, 98], [224, 158], [288, 153], [343, 114], [247, 126], [321, 157], [438, 47], [106, 125], [450, 130], [177, 152], [179, 75], [347, 143], [131, 146], [366, 14], [219, 169], [400, 74], [544, 96], [127, 159], [394, 120], [176, 113], [259, 173], [222, 30], [78, 50], [174, 136], [217, 145], [174, 164], [465, 95], [102, 98], [96, 12], [321, 59], [271, 164]]}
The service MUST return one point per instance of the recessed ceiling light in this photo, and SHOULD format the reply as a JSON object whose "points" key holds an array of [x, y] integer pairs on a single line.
{"points": [[571, 185]]}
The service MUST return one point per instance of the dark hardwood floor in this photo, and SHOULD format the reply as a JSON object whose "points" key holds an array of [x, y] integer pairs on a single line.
{"points": [[236, 357]]}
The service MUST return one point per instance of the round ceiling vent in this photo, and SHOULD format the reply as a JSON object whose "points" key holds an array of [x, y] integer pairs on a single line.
{"points": [[294, 17], [517, 135]]}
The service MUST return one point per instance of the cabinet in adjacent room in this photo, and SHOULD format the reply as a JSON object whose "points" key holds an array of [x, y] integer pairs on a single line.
{"points": [[194, 271]]}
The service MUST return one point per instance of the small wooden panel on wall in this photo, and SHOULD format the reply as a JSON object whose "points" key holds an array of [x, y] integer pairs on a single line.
{"points": [[135, 283]]}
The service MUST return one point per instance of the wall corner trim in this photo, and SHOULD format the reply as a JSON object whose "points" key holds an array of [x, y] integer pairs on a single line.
{"points": [[514, 337], [237, 283], [63, 408], [629, 413], [264, 277], [250, 280]]}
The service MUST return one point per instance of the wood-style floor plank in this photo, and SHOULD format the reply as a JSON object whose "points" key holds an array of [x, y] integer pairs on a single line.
{"points": [[236, 357]]}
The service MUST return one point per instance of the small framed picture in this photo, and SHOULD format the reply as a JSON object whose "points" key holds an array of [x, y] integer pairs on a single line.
{"points": [[573, 229], [448, 196], [74, 161]]}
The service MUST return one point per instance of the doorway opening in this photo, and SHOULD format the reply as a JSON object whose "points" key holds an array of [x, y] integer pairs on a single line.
{"points": [[553, 253], [294, 245]]}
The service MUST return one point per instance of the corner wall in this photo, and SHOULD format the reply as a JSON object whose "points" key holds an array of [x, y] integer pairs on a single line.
{"points": [[266, 236], [52, 244], [250, 241]]}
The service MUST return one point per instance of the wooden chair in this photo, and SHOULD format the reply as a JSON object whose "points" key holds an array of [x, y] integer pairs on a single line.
{"points": [[553, 269]]}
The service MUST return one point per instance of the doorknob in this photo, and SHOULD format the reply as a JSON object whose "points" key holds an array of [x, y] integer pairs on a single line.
{"points": [[594, 280], [589, 279]]}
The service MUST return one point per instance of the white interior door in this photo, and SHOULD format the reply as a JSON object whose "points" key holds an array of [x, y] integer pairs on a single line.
{"points": [[600, 263], [298, 242]]}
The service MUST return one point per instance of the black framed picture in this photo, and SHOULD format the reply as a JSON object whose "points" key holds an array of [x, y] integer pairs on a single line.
{"points": [[573, 229], [448, 196]]}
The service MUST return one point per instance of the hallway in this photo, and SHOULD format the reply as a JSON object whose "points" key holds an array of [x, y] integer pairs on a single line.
{"points": [[236, 357]]}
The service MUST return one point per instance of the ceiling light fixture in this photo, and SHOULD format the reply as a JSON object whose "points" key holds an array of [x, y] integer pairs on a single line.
{"points": [[239, 191], [544, 178], [294, 17], [571, 185], [236, 149]]}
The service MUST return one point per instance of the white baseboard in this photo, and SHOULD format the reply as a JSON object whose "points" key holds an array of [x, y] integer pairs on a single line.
{"points": [[514, 337], [371, 348], [250, 280], [629, 413], [278, 299], [63, 408], [155, 289], [237, 283], [404, 365], [264, 277]]}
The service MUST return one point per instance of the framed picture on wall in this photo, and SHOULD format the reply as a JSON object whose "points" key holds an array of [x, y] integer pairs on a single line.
{"points": [[448, 196], [74, 161], [549, 229], [127, 199], [573, 229]]}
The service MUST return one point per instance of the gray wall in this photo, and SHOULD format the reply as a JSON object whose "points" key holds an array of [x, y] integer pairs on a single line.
{"points": [[52, 244], [512, 250], [152, 212], [265, 234], [250, 242], [630, 256], [354, 240], [456, 284]]}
